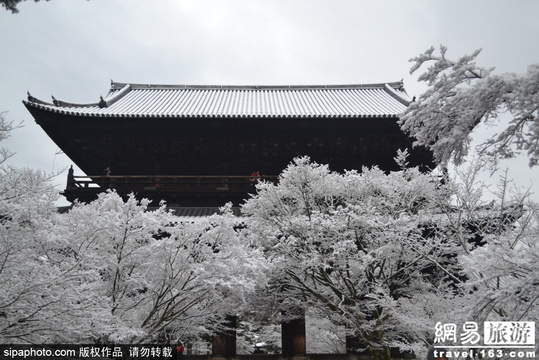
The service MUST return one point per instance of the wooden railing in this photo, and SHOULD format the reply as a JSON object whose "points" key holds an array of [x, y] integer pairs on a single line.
{"points": [[167, 182]]}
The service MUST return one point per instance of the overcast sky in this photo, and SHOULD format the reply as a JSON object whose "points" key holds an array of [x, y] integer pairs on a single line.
{"points": [[72, 49]]}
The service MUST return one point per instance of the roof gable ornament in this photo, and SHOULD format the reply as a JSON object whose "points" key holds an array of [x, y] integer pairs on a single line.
{"points": [[36, 100]]}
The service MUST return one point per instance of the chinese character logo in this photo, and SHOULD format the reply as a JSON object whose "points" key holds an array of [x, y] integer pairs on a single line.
{"points": [[470, 333], [445, 332], [509, 332]]}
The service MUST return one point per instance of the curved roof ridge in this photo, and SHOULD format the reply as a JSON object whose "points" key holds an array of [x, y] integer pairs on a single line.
{"points": [[395, 85], [61, 103], [398, 95], [58, 103], [35, 100]]}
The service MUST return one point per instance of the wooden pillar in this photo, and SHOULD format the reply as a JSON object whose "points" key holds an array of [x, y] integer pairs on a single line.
{"points": [[293, 336], [224, 342], [353, 345]]}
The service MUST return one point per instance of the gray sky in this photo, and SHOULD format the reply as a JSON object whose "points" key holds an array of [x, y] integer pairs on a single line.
{"points": [[73, 48]]}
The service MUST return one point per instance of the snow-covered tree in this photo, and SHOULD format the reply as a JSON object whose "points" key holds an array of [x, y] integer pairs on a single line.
{"points": [[462, 95], [38, 292], [11, 5], [29, 299], [504, 274], [160, 280], [113, 271], [201, 272], [501, 273], [369, 250], [108, 240], [388, 255]]}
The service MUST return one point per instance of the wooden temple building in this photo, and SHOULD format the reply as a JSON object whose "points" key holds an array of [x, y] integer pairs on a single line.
{"points": [[198, 147]]}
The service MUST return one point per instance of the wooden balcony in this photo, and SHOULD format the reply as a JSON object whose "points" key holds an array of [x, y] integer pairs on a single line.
{"points": [[184, 190]]}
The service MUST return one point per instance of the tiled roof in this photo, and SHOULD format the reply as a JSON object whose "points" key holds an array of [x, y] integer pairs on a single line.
{"points": [[184, 101]]}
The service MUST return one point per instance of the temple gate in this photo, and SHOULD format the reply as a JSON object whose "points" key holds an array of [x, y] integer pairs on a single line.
{"points": [[203, 146]]}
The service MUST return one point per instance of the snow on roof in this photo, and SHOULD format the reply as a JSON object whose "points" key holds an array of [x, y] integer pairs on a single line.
{"points": [[186, 101], [186, 214]]}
